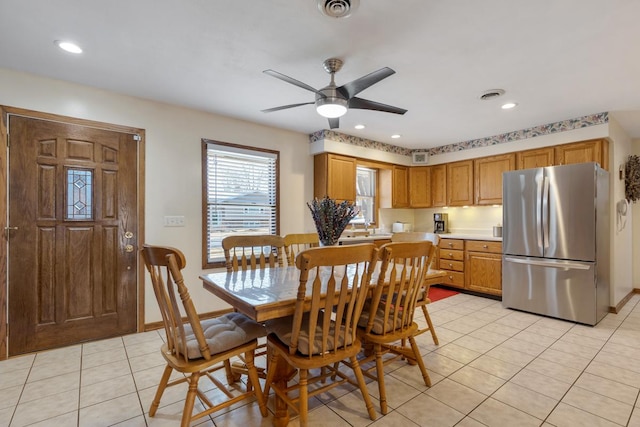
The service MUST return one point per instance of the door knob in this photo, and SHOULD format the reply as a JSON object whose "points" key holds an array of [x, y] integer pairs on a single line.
{"points": [[128, 235], [128, 248]]}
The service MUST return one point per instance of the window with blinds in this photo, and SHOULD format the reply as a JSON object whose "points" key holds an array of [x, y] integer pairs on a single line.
{"points": [[240, 195]]}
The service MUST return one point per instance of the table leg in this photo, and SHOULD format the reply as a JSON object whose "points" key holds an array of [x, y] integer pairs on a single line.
{"points": [[284, 373]]}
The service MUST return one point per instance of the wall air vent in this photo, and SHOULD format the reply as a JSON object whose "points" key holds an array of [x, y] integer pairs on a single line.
{"points": [[337, 8], [420, 157]]}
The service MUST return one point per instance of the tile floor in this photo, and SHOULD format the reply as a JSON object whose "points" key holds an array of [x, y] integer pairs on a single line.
{"points": [[493, 367]]}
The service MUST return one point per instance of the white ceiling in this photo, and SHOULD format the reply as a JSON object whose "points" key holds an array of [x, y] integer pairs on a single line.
{"points": [[558, 59]]}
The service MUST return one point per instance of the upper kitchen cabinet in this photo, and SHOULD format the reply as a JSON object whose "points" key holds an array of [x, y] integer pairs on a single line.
{"points": [[488, 177], [400, 186], [439, 186], [420, 187], [334, 176], [460, 183], [537, 158], [595, 150]]}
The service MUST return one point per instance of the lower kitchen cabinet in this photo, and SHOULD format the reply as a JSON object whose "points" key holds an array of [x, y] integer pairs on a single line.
{"points": [[474, 265], [483, 266]]}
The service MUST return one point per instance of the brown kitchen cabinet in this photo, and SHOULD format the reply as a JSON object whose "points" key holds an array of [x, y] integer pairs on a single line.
{"points": [[488, 177], [451, 260], [483, 266], [439, 185], [595, 150], [420, 187], [400, 187], [460, 183], [537, 158], [334, 176]]}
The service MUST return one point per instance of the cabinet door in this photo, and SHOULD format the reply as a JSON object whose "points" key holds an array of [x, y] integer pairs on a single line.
{"points": [[420, 187], [488, 177], [400, 184], [439, 186], [460, 183], [483, 272], [595, 150], [335, 176], [538, 158]]}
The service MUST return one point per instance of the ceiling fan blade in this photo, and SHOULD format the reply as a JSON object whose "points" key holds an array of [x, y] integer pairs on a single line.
{"points": [[334, 123], [290, 80], [351, 89], [365, 104], [284, 107]]}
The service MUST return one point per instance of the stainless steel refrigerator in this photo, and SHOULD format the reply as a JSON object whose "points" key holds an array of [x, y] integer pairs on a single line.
{"points": [[555, 241]]}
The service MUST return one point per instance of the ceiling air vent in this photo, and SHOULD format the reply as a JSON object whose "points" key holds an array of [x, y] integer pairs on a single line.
{"points": [[337, 8], [491, 94]]}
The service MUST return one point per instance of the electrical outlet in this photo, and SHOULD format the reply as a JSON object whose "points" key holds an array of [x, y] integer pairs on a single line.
{"points": [[174, 221]]}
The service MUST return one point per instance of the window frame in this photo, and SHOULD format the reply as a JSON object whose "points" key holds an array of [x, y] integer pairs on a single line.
{"points": [[205, 144]]}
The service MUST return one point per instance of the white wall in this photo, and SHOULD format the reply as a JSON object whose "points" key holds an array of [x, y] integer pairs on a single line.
{"points": [[173, 158]]}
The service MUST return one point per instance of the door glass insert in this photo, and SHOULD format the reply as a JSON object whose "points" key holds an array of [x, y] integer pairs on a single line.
{"points": [[79, 194]]}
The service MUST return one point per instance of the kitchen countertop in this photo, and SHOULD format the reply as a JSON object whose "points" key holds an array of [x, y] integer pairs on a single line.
{"points": [[487, 237], [365, 239]]}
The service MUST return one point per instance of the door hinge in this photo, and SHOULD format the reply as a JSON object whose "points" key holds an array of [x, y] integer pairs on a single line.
{"points": [[137, 137]]}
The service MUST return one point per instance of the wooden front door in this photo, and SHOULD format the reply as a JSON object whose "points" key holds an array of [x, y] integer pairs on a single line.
{"points": [[73, 233]]}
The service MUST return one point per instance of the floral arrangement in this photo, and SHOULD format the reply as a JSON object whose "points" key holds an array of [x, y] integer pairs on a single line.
{"points": [[331, 218], [632, 178]]}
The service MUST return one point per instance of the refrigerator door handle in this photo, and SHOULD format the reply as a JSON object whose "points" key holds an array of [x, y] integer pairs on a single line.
{"points": [[554, 264], [539, 212], [545, 212]]}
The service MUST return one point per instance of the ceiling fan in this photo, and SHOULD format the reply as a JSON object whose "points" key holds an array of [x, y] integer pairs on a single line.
{"points": [[333, 101]]}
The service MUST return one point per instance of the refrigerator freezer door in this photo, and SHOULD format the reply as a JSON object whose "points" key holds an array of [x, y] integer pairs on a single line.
{"points": [[571, 216], [522, 232], [557, 288]]}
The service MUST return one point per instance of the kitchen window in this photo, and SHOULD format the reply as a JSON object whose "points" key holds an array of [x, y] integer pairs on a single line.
{"points": [[240, 195], [366, 184]]}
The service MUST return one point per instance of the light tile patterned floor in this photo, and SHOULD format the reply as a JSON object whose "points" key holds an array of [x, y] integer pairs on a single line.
{"points": [[493, 367]]}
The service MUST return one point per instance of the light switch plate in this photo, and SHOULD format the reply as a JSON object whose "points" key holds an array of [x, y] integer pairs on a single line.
{"points": [[174, 221]]}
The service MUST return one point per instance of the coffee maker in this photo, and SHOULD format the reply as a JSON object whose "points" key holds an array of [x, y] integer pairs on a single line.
{"points": [[440, 223]]}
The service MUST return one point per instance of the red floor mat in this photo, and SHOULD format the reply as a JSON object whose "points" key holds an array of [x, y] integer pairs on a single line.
{"points": [[436, 293]]}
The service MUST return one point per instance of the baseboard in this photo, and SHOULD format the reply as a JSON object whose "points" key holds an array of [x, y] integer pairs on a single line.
{"points": [[624, 300], [210, 315]]}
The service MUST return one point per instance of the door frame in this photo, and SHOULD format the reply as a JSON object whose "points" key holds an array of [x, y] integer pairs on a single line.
{"points": [[4, 141]]}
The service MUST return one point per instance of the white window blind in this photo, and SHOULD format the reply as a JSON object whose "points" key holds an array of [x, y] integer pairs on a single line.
{"points": [[241, 194]]}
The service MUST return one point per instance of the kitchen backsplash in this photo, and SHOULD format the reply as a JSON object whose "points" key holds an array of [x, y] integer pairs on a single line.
{"points": [[471, 220]]}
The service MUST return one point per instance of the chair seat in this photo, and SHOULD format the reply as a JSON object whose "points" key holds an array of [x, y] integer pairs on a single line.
{"points": [[223, 333], [282, 329], [379, 319]]}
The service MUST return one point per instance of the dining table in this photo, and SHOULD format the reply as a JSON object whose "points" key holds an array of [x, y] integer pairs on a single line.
{"points": [[264, 294]]}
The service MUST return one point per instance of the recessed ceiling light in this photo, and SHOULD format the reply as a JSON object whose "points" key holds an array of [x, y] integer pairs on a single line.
{"points": [[68, 46], [396, 136], [509, 105], [359, 126]]}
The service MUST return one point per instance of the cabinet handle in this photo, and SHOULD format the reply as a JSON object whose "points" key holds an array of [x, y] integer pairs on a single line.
{"points": [[450, 244], [450, 254], [485, 246], [450, 265], [450, 277]]}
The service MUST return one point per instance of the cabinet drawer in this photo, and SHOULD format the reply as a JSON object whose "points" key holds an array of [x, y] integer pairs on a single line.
{"points": [[446, 254], [454, 278], [451, 244], [447, 264], [484, 246]]}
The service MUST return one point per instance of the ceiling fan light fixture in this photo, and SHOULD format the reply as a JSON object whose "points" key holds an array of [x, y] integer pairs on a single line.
{"points": [[331, 107]]}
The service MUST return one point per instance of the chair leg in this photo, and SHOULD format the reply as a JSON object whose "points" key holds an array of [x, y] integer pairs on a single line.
{"points": [[423, 369], [190, 400], [380, 377], [304, 397], [161, 387], [355, 365], [253, 379], [430, 324]]}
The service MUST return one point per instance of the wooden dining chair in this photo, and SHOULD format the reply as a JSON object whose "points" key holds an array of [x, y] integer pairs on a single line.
{"points": [[432, 277], [334, 284], [197, 348], [298, 242], [251, 252], [388, 316]]}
